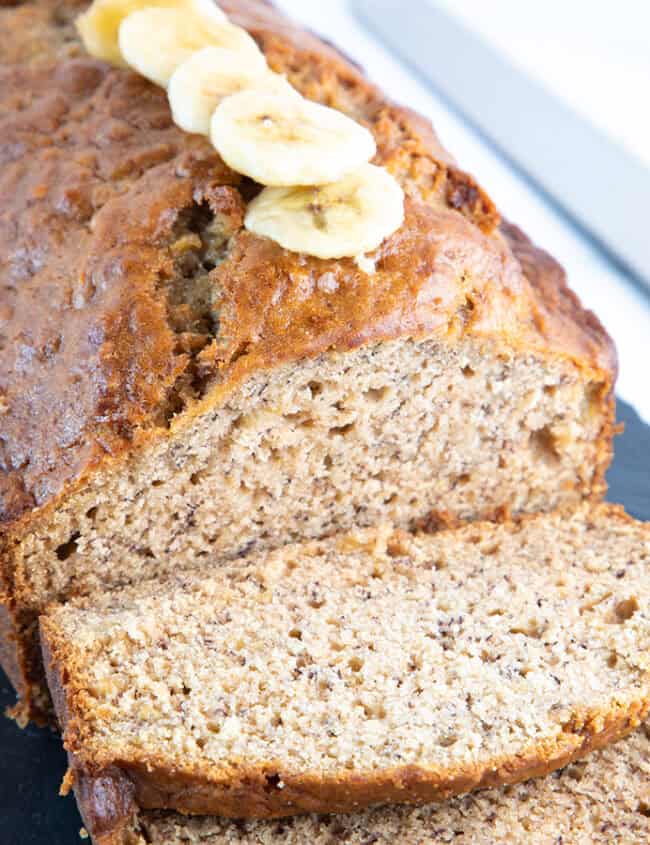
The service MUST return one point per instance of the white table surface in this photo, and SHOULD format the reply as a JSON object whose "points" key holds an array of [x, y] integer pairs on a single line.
{"points": [[624, 310], [592, 54]]}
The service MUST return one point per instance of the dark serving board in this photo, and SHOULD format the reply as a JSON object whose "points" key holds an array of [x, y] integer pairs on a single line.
{"points": [[32, 762]]}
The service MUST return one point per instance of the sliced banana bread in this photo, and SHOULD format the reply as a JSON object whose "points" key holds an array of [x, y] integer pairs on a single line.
{"points": [[371, 667], [602, 800], [175, 390]]}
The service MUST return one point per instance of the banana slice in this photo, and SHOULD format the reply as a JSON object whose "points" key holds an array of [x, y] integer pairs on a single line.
{"points": [[282, 140], [347, 218], [208, 77], [155, 41], [99, 25]]}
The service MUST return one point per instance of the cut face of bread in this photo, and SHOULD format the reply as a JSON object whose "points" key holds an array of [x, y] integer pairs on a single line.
{"points": [[597, 801], [415, 432], [404, 430], [367, 668], [176, 391]]}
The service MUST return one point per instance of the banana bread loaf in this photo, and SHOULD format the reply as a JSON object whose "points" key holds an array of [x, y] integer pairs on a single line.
{"points": [[368, 668], [175, 390], [602, 800]]}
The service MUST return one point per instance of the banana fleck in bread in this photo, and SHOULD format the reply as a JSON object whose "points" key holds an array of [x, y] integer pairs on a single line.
{"points": [[368, 668], [602, 800], [175, 390]]}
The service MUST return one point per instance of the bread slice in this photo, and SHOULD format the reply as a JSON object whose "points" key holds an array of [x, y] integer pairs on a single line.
{"points": [[175, 391], [372, 667], [602, 800]]}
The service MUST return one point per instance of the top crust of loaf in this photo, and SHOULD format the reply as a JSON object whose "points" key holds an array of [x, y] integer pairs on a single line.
{"points": [[98, 190]]}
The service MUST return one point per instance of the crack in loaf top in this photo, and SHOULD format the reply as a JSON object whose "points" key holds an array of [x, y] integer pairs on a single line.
{"points": [[98, 193]]}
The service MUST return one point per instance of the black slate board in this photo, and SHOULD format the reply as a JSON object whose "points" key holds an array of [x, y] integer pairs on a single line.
{"points": [[32, 762]]}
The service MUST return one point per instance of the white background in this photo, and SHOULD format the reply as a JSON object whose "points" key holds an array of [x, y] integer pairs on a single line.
{"points": [[596, 54]]}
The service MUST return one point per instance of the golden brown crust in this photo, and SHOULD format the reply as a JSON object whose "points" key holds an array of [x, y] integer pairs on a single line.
{"points": [[38, 32], [110, 801], [97, 175], [256, 794], [558, 309], [602, 799], [106, 804]]}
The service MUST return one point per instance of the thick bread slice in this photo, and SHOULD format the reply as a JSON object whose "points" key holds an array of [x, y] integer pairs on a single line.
{"points": [[373, 667], [175, 391], [602, 800]]}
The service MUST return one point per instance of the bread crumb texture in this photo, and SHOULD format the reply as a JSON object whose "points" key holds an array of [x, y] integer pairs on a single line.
{"points": [[369, 667]]}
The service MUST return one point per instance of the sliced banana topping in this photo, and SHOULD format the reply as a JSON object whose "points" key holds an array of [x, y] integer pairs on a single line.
{"points": [[347, 218], [281, 140], [323, 198], [155, 41], [99, 25], [208, 77]]}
